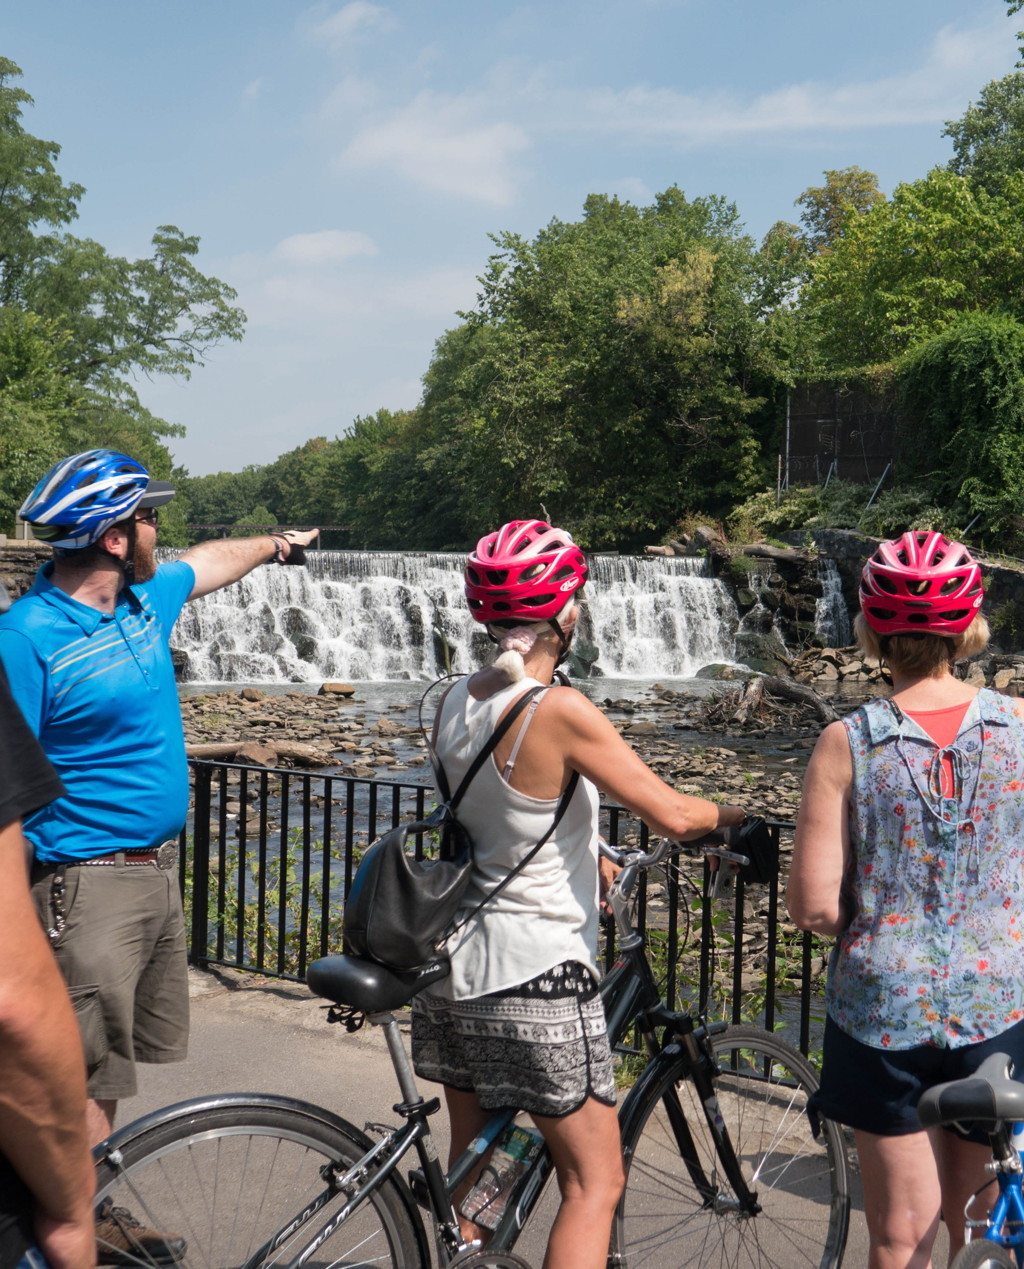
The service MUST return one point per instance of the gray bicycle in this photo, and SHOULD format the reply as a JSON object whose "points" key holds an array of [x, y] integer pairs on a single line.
{"points": [[725, 1164]]}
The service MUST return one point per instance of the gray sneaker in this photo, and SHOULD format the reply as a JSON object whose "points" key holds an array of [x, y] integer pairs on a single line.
{"points": [[122, 1240]]}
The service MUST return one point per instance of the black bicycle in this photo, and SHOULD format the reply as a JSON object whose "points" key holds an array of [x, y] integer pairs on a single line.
{"points": [[725, 1164]]}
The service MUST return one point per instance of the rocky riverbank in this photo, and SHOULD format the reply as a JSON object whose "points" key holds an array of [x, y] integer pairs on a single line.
{"points": [[730, 743], [763, 769]]}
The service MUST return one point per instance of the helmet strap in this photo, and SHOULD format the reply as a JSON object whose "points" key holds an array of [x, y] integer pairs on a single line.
{"points": [[564, 639]]}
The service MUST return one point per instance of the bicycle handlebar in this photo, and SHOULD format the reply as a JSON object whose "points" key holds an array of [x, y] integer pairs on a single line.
{"points": [[641, 862]]}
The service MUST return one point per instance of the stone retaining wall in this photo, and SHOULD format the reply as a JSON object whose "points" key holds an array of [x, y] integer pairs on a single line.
{"points": [[19, 563]]}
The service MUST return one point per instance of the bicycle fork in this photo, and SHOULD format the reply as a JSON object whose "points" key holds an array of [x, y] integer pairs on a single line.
{"points": [[701, 1063]]}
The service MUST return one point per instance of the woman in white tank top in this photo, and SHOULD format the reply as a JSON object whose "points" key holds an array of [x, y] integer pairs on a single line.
{"points": [[519, 1021]]}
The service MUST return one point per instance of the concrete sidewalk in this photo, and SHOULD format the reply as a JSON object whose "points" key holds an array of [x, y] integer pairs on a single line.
{"points": [[259, 1035]]}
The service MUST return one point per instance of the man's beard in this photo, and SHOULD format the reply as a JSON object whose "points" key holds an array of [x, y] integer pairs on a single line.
{"points": [[144, 559]]}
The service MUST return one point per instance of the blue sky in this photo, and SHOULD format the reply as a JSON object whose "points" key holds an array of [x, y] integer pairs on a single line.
{"points": [[343, 164]]}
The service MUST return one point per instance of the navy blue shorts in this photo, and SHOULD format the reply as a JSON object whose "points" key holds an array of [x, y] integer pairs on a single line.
{"points": [[877, 1090]]}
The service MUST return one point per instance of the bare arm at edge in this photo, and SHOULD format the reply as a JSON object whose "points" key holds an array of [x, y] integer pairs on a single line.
{"points": [[218, 564], [42, 1074], [821, 847], [591, 745]]}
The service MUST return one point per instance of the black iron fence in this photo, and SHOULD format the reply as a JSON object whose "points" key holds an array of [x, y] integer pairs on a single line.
{"points": [[269, 854]]}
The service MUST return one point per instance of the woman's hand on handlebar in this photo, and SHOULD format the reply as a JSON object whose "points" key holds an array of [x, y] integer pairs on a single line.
{"points": [[607, 871]]}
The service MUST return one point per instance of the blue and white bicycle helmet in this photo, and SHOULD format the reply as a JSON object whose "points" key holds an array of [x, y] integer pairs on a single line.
{"points": [[82, 496]]}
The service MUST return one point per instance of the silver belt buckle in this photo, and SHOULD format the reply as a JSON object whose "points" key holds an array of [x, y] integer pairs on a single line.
{"points": [[166, 855]]}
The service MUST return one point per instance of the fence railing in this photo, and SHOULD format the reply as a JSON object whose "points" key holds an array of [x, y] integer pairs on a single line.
{"points": [[268, 856]]}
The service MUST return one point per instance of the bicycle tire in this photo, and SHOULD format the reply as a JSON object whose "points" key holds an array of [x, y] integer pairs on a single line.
{"points": [[226, 1173], [802, 1183], [979, 1253]]}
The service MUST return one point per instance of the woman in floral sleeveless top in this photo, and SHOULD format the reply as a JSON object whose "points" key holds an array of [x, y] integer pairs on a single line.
{"points": [[909, 849]]}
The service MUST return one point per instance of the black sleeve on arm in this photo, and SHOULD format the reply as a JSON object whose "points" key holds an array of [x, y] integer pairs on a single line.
{"points": [[27, 781]]}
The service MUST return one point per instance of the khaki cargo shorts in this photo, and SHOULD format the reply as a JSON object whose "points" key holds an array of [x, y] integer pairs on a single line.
{"points": [[122, 953]]}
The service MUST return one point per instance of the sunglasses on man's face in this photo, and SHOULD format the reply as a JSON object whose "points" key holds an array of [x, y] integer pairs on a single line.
{"points": [[149, 516]]}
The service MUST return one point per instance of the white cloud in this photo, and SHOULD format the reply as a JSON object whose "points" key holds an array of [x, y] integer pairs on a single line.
{"points": [[294, 300], [253, 90], [955, 63], [338, 30], [328, 246], [444, 144]]}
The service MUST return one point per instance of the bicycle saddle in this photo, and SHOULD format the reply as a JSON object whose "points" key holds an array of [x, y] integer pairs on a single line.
{"points": [[983, 1098], [367, 986]]}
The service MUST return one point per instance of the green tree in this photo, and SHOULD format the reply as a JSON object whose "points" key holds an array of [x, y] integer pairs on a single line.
{"points": [[909, 268], [612, 372], [105, 318], [964, 391], [988, 139], [827, 208]]}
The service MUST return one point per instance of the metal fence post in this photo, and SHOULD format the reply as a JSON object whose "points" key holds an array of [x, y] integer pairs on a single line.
{"points": [[200, 923]]}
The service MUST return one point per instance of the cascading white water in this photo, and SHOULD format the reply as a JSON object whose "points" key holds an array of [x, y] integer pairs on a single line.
{"points": [[831, 619], [651, 617], [760, 620], [377, 616]]}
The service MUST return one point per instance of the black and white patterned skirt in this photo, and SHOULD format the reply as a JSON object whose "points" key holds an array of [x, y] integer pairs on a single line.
{"points": [[541, 1046]]}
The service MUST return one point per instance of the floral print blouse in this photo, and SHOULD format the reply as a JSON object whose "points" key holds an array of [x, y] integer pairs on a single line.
{"points": [[934, 952]]}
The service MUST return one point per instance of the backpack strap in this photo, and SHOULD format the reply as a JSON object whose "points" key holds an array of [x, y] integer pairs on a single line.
{"points": [[453, 800], [563, 806]]}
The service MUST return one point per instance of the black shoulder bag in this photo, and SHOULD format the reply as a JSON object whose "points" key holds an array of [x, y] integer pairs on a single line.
{"points": [[400, 908]]}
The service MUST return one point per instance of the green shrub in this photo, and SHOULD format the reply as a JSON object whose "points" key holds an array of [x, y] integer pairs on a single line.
{"points": [[843, 505]]}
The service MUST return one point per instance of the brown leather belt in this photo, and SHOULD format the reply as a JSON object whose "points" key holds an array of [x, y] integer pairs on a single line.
{"points": [[165, 856]]}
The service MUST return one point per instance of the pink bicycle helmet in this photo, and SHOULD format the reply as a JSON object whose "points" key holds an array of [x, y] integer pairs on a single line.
{"points": [[526, 571], [920, 583]]}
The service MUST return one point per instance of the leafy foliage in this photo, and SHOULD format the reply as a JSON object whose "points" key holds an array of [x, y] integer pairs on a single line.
{"points": [[988, 139], [843, 505], [907, 269], [613, 366], [965, 390], [827, 209], [76, 323]]}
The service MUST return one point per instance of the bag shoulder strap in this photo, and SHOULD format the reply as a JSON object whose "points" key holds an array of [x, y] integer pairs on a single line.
{"points": [[563, 806], [453, 800]]}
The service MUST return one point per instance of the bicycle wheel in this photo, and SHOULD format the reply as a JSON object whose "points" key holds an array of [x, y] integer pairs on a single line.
{"points": [[801, 1182], [227, 1174], [981, 1254]]}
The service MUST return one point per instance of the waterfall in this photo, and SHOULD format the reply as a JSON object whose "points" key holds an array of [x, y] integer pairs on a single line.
{"points": [[760, 628], [831, 620], [369, 615]]}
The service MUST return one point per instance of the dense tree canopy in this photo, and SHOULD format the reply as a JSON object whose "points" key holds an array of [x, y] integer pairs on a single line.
{"points": [[908, 268], [611, 371], [965, 392], [618, 371], [988, 140], [76, 323]]}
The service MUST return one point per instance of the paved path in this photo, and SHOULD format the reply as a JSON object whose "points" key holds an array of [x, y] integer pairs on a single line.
{"points": [[257, 1035]]}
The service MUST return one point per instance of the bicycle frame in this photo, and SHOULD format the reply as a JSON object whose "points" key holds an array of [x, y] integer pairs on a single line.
{"points": [[630, 995], [1008, 1209]]}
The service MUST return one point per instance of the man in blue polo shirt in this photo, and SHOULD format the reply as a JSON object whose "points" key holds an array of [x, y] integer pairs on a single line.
{"points": [[86, 652]]}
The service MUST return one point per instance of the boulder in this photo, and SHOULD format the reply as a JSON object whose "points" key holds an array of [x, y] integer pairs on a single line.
{"points": [[256, 754], [336, 689], [252, 694]]}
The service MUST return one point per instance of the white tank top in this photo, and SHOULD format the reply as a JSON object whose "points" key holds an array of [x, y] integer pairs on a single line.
{"points": [[548, 913]]}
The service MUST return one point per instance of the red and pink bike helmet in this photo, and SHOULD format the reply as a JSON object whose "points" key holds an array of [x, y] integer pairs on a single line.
{"points": [[920, 583], [526, 571]]}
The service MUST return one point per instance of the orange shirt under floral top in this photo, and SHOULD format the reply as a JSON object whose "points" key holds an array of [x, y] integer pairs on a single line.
{"points": [[934, 952]]}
